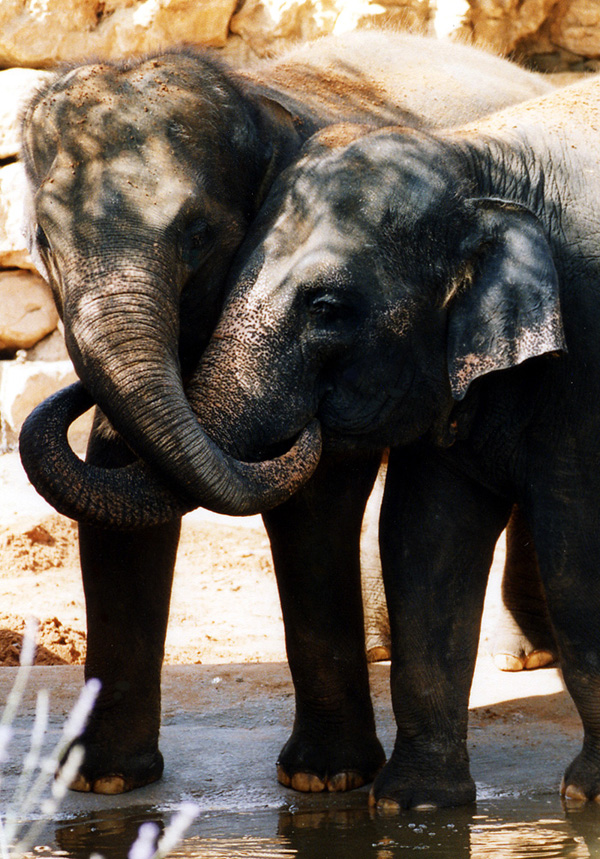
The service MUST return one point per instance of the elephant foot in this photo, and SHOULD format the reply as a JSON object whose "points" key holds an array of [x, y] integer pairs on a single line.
{"points": [[120, 753], [523, 642], [422, 785], [329, 764], [120, 741], [581, 781], [113, 779], [100, 774]]}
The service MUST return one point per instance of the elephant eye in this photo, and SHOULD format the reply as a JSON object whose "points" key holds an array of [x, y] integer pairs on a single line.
{"points": [[197, 242], [41, 239], [327, 309], [197, 233]]}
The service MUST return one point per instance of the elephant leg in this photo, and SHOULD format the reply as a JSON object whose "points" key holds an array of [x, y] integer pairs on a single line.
{"points": [[523, 638], [127, 579], [315, 541], [438, 533], [568, 543], [377, 624]]}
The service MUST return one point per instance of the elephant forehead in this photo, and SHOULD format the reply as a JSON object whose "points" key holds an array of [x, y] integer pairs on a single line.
{"points": [[358, 196], [144, 184], [96, 110], [147, 184]]}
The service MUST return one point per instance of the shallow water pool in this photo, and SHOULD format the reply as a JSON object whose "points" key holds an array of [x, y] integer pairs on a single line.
{"points": [[511, 828]]}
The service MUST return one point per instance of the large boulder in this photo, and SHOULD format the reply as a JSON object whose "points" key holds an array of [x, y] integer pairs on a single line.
{"points": [[16, 87], [42, 34], [549, 34], [24, 384], [27, 311], [13, 248]]}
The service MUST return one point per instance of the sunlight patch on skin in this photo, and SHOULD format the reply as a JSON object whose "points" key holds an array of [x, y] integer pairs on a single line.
{"points": [[543, 339], [149, 182], [342, 134], [397, 319]]}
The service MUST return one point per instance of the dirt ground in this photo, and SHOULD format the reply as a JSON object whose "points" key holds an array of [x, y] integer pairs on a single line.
{"points": [[224, 607]]}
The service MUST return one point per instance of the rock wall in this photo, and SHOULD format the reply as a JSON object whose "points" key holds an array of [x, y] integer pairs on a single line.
{"points": [[551, 34], [548, 35], [40, 33]]}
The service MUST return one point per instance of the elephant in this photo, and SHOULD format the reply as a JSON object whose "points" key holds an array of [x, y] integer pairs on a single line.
{"points": [[144, 177], [437, 292]]}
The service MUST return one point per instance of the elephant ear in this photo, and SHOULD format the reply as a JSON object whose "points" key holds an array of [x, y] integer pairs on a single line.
{"points": [[282, 142], [510, 309]]}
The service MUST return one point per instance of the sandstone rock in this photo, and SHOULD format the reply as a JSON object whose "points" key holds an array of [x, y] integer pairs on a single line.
{"points": [[16, 86], [44, 33], [13, 251], [550, 34], [575, 27], [50, 348], [27, 311], [501, 24], [267, 25], [23, 385]]}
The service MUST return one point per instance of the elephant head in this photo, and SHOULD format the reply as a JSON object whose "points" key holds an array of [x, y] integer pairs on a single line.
{"points": [[378, 286], [143, 178], [376, 289]]}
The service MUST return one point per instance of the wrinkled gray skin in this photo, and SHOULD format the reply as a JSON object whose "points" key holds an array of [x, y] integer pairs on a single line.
{"points": [[439, 294], [145, 177]]}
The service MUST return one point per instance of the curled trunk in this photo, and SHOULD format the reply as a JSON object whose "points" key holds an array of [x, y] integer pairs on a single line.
{"points": [[122, 336], [132, 497]]}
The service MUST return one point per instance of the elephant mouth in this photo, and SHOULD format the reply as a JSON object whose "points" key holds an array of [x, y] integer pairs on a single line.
{"points": [[132, 496], [274, 450]]}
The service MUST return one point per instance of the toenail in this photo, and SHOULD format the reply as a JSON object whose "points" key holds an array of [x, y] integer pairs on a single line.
{"points": [[307, 783], [110, 785], [282, 777], [508, 662], [388, 807], [81, 784]]}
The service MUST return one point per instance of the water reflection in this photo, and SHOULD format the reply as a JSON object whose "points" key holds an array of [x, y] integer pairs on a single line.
{"points": [[543, 839], [360, 833], [110, 832], [511, 829]]}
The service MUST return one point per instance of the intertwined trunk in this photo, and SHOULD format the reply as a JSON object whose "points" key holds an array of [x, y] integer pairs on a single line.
{"points": [[124, 350]]}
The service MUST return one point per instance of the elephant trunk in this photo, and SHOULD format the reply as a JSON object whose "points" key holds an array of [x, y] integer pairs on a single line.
{"points": [[132, 497], [125, 353]]}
